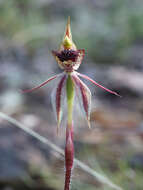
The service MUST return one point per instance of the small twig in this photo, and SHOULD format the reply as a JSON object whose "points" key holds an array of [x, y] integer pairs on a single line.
{"points": [[84, 167]]}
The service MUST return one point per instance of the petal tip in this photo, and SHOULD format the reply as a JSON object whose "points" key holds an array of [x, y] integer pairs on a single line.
{"points": [[68, 29], [88, 122]]}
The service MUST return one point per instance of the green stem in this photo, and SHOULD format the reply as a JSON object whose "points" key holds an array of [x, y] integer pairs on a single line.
{"points": [[69, 147], [70, 98]]}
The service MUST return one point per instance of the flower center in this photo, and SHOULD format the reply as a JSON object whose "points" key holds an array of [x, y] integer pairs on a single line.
{"points": [[67, 54]]}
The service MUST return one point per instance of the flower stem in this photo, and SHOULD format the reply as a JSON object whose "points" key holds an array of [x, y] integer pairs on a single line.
{"points": [[69, 148], [70, 98], [69, 156]]}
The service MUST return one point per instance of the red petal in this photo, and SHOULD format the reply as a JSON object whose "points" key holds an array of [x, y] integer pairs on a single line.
{"points": [[58, 99], [91, 80], [37, 87], [85, 96]]}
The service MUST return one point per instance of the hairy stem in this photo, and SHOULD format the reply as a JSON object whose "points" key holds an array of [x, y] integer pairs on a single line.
{"points": [[69, 156], [69, 147], [70, 98]]}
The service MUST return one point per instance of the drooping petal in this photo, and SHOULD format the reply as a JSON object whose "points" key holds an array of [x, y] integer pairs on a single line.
{"points": [[44, 83], [91, 80], [58, 99], [84, 96]]}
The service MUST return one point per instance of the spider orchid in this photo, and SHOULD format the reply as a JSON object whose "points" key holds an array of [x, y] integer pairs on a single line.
{"points": [[70, 85]]}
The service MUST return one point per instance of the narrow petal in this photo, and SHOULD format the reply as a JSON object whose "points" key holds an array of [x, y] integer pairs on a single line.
{"points": [[84, 96], [44, 83], [67, 42], [91, 80], [68, 29], [58, 98]]}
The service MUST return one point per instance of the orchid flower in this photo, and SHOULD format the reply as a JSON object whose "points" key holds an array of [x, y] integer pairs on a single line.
{"points": [[70, 85]]}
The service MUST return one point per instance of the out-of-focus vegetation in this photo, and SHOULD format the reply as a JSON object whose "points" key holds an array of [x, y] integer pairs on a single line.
{"points": [[111, 31], [107, 28]]}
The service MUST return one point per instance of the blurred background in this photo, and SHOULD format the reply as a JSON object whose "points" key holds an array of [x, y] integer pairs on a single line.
{"points": [[111, 32]]}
